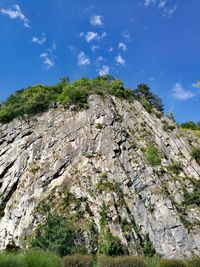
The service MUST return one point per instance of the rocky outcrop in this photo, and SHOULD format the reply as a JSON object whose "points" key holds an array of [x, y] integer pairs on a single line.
{"points": [[78, 163]]}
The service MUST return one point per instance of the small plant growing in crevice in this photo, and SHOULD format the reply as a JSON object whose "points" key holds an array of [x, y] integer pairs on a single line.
{"points": [[175, 167], [99, 126], [153, 155], [196, 154]]}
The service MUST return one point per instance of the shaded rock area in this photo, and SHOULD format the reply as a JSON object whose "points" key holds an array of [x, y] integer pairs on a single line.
{"points": [[78, 163]]}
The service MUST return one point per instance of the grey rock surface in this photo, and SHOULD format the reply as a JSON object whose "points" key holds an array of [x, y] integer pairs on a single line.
{"points": [[98, 155]]}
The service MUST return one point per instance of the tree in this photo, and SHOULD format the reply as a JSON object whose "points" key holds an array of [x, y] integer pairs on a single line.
{"points": [[143, 90]]}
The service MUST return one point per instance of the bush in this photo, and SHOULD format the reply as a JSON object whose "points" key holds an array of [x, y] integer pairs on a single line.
{"points": [[110, 245], [171, 263], [195, 262], [123, 261], [153, 155], [58, 235], [39, 258], [78, 260], [175, 167], [196, 154], [11, 260], [192, 198]]}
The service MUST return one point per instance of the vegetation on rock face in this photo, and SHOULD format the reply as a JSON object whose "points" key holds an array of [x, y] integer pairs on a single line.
{"points": [[57, 234], [39, 98], [153, 155], [196, 154]]}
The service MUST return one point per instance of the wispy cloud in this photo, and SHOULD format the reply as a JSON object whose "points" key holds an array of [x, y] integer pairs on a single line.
{"points": [[39, 40], [166, 7], [95, 47], [96, 20], [120, 60], [110, 49], [48, 61], [83, 59], [196, 85], [179, 93], [122, 46], [126, 35], [104, 70], [149, 2], [93, 36], [169, 11], [16, 13]]}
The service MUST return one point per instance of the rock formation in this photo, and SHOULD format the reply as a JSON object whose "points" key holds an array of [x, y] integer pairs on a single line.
{"points": [[78, 163]]}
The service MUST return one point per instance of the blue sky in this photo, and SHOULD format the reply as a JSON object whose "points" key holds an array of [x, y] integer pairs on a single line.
{"points": [[139, 41]]}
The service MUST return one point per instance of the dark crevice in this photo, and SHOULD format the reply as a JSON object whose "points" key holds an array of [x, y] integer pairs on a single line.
{"points": [[7, 198], [6, 169]]}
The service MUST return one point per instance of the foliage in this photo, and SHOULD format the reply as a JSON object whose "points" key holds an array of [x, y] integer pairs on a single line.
{"points": [[175, 167], [58, 235], [110, 245], [39, 98], [153, 155], [151, 261], [192, 198], [123, 261], [143, 92], [171, 263], [191, 125], [196, 154], [195, 262], [148, 249], [78, 260], [11, 260], [39, 258]]}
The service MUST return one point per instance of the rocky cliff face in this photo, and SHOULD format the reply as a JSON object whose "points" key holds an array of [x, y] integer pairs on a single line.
{"points": [[80, 163]]}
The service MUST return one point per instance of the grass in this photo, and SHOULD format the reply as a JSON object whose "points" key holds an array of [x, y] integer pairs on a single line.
{"points": [[40, 258]]}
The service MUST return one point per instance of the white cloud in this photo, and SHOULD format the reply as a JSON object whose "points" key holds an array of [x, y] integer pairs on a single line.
{"points": [[47, 60], [195, 85], [100, 58], [180, 93], [83, 59], [95, 47], [162, 4], [96, 20], [168, 12], [166, 7], [149, 2], [39, 40], [122, 46], [126, 35], [104, 70], [16, 13], [92, 36], [110, 49], [151, 78], [120, 60]]}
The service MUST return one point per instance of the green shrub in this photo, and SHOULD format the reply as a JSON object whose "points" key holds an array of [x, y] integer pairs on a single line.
{"points": [[99, 126], [11, 260], [153, 155], [195, 262], [196, 154], [145, 103], [58, 235], [110, 245], [39, 258], [78, 260], [175, 167], [171, 263], [192, 198], [123, 261], [152, 261]]}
